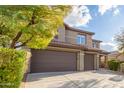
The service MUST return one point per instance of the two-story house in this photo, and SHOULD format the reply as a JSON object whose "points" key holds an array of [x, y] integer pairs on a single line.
{"points": [[71, 50]]}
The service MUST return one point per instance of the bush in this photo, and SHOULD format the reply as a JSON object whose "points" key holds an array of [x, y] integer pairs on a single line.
{"points": [[113, 65], [122, 66], [12, 63]]}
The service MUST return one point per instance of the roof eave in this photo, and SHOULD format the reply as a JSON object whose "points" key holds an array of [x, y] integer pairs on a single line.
{"points": [[67, 27]]}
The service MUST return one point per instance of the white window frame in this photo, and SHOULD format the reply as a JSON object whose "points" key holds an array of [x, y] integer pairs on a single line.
{"points": [[80, 37]]}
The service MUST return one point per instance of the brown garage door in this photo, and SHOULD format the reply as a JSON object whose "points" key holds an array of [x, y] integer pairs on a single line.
{"points": [[88, 62], [48, 61]]}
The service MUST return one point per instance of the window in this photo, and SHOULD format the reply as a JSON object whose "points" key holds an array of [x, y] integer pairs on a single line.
{"points": [[56, 37], [81, 39], [94, 44]]}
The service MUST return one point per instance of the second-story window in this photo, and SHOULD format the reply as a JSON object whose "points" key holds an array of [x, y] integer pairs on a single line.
{"points": [[56, 37], [81, 39], [94, 44]]}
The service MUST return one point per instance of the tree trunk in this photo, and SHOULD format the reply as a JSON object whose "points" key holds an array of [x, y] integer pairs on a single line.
{"points": [[15, 39], [24, 43]]}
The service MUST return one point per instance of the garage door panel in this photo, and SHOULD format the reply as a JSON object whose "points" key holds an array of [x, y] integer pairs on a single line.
{"points": [[52, 65], [47, 61], [89, 62], [50, 69]]}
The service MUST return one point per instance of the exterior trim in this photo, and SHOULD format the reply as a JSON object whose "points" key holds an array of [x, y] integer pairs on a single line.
{"points": [[67, 27], [62, 49], [97, 40], [65, 45], [73, 46]]}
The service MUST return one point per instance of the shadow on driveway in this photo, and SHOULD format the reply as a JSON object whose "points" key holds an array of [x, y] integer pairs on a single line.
{"points": [[87, 79], [117, 78], [38, 76], [104, 71], [82, 84]]}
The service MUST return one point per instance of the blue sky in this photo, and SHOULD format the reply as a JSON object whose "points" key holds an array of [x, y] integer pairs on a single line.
{"points": [[105, 21]]}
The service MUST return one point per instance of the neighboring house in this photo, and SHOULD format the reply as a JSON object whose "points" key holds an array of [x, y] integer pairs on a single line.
{"points": [[116, 55], [71, 50]]}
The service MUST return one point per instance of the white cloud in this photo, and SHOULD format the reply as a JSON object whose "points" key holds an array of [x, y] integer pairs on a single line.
{"points": [[109, 46], [113, 39], [105, 8], [116, 12], [108, 43], [80, 15]]}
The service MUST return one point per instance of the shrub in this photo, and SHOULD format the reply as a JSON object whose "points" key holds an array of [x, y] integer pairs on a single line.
{"points": [[113, 65], [122, 66], [12, 64]]}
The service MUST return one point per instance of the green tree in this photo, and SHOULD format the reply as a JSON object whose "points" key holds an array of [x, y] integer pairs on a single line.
{"points": [[32, 26], [120, 40]]}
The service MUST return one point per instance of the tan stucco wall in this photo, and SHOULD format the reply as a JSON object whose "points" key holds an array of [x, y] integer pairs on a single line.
{"points": [[80, 58], [71, 36], [97, 61], [121, 57], [98, 45], [116, 56], [78, 61], [89, 40]]}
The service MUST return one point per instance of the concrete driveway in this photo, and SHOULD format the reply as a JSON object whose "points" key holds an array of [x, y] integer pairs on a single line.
{"points": [[88, 79]]}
